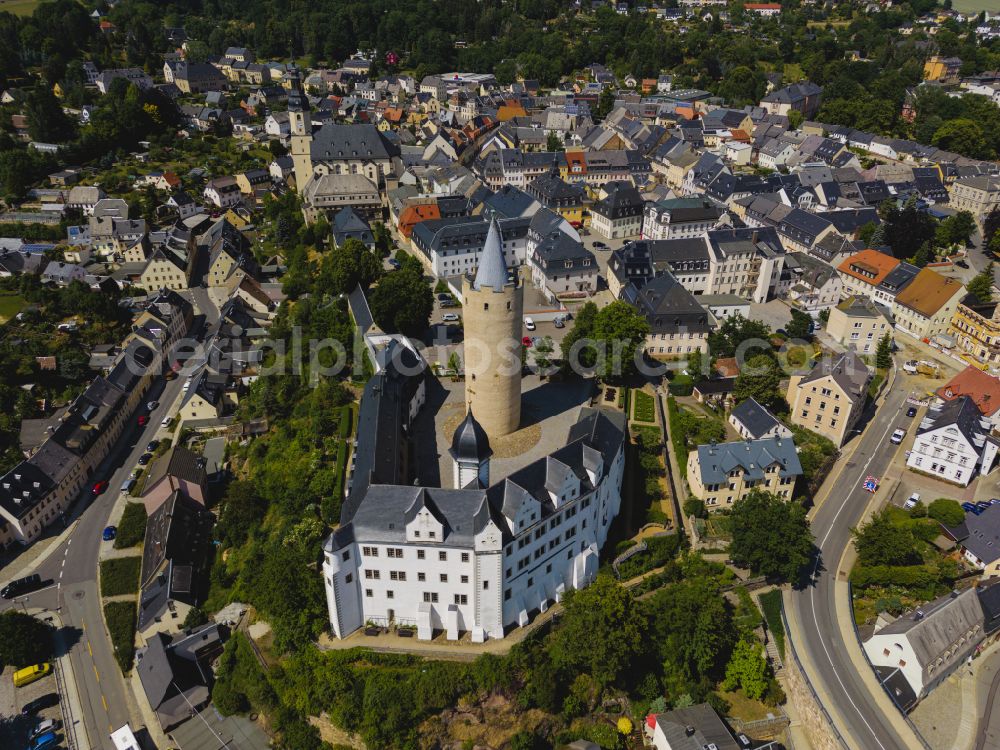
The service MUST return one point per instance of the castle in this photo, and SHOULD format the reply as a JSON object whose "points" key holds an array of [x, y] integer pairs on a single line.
{"points": [[476, 558]]}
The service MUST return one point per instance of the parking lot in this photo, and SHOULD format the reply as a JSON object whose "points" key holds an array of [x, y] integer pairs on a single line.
{"points": [[14, 728]]}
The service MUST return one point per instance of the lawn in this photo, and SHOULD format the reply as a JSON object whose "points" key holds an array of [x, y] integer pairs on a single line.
{"points": [[645, 407], [10, 304], [132, 527], [120, 617], [120, 575], [19, 7]]}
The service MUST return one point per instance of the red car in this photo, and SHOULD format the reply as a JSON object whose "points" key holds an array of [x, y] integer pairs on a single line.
{"points": [[142, 420], [526, 341], [100, 487]]}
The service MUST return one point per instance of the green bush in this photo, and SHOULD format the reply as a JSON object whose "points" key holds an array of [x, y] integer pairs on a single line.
{"points": [[132, 526], [695, 507], [120, 575], [120, 618], [346, 421], [771, 604], [946, 511], [681, 385], [659, 550]]}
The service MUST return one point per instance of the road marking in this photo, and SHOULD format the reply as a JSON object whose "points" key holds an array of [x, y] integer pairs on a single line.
{"points": [[60, 577], [89, 649], [97, 674], [104, 702], [63, 564], [812, 592]]}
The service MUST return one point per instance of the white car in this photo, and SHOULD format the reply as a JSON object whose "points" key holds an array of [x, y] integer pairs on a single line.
{"points": [[529, 324], [897, 437], [912, 501], [450, 317], [166, 421]]}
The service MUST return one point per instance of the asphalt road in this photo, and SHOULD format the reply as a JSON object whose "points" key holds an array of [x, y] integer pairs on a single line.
{"points": [[835, 676], [72, 565]]}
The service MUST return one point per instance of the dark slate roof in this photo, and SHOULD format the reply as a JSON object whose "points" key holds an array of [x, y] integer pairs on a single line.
{"points": [[847, 222], [347, 220], [695, 728], [560, 253], [755, 418], [849, 372], [895, 683], [899, 278], [492, 269], [334, 141], [667, 306], [470, 442], [178, 462], [989, 600], [508, 202], [963, 413], [623, 199]]}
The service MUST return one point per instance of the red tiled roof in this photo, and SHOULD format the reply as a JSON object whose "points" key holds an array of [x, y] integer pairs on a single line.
{"points": [[981, 387]]}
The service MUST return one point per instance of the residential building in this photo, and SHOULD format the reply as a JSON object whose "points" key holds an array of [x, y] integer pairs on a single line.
{"points": [[135, 76], [347, 224], [679, 218], [952, 442], [329, 193], [858, 323], [692, 728], [975, 327], [829, 399], [980, 196], [863, 272], [175, 556], [562, 267], [619, 214], [982, 388], [919, 650], [560, 197], [253, 180], [926, 306], [177, 470], [754, 422], [165, 270], [678, 325], [938, 68], [802, 97], [222, 192], [720, 474], [747, 262], [815, 285], [978, 536], [724, 306], [451, 247]]}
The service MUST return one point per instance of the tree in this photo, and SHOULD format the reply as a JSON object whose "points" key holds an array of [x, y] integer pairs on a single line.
{"points": [[696, 363], [347, 266], [946, 511], [402, 302], [736, 331], [24, 640], [771, 535], [881, 542], [622, 331], [963, 136], [601, 632], [605, 102], [795, 119], [800, 326], [747, 669], [955, 230], [981, 284], [695, 508], [759, 379], [582, 330], [46, 120], [824, 315], [553, 142], [883, 354]]}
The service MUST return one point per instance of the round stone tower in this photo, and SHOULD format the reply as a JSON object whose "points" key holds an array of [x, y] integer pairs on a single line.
{"points": [[492, 305]]}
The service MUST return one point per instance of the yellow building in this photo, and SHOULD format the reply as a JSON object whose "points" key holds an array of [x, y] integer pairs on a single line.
{"points": [[720, 474], [559, 196], [975, 326], [829, 399]]}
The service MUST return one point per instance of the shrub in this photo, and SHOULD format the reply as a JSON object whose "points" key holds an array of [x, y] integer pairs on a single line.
{"points": [[681, 385], [771, 604], [346, 421], [132, 526], [946, 511], [120, 618], [695, 507], [120, 575], [645, 407]]}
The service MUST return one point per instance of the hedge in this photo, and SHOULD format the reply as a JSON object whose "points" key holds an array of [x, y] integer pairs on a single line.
{"points": [[120, 575], [659, 550], [120, 618], [346, 421], [771, 604], [645, 407], [677, 437]]}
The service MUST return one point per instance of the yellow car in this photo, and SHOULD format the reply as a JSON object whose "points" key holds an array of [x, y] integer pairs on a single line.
{"points": [[28, 675]]}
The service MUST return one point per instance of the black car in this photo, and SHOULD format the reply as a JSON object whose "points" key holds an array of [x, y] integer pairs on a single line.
{"points": [[961, 263], [911, 412], [44, 701], [21, 586], [153, 445], [145, 458]]}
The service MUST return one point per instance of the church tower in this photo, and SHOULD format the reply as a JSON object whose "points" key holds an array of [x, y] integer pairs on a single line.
{"points": [[301, 132], [492, 305], [470, 450]]}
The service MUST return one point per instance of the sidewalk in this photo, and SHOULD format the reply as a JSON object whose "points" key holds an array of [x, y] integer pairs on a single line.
{"points": [[72, 709]]}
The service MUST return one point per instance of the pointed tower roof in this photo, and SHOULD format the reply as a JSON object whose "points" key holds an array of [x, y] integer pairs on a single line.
{"points": [[492, 271], [297, 99], [470, 442]]}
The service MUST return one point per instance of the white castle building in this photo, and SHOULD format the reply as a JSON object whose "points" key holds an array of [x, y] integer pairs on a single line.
{"points": [[478, 558]]}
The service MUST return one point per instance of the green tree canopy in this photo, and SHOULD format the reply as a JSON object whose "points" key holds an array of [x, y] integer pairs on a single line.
{"points": [[883, 354], [402, 302], [946, 511], [734, 331], [24, 640], [982, 283], [882, 542], [622, 331], [759, 379], [800, 326], [771, 535], [748, 669], [345, 267]]}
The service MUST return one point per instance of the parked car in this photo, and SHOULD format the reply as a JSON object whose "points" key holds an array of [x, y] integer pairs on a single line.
{"points": [[912, 501], [21, 586], [109, 533], [443, 297], [152, 405], [394, 263], [49, 725], [166, 421], [599, 245], [529, 324], [145, 458], [45, 741], [961, 263], [143, 420], [449, 303], [450, 317], [911, 412], [897, 436], [28, 675], [100, 486], [152, 445], [558, 322], [526, 341], [45, 701]]}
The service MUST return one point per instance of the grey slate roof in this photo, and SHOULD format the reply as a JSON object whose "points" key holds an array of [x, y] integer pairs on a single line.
{"points": [[848, 371], [961, 412], [667, 306], [470, 442], [334, 142], [708, 729], [492, 271], [753, 456]]}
